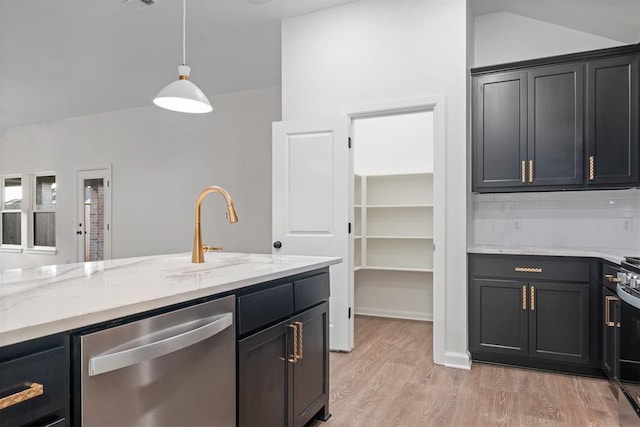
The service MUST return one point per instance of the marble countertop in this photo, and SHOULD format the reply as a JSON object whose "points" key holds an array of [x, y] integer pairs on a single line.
{"points": [[35, 302], [615, 258]]}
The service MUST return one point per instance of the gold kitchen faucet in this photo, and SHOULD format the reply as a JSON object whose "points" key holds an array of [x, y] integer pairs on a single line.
{"points": [[199, 249]]}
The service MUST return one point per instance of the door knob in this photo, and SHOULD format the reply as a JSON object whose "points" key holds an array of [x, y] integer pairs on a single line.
{"points": [[277, 244]]}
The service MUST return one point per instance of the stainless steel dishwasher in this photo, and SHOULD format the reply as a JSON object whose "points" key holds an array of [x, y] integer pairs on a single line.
{"points": [[174, 369]]}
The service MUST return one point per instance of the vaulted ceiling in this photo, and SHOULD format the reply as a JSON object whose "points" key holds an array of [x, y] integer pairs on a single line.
{"points": [[66, 58], [613, 19]]}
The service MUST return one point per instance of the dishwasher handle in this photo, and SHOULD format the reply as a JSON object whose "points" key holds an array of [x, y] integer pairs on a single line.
{"points": [[111, 362]]}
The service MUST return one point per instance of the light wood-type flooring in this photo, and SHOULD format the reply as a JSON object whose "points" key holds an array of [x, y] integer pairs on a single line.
{"points": [[389, 379]]}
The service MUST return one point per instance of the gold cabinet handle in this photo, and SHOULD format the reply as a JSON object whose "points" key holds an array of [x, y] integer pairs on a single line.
{"points": [[13, 399], [524, 297], [294, 356], [592, 168], [528, 269], [607, 310], [611, 278], [300, 342], [533, 298], [523, 171], [530, 170]]}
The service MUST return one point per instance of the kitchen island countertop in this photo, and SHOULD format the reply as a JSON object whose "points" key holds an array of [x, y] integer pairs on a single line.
{"points": [[35, 302]]}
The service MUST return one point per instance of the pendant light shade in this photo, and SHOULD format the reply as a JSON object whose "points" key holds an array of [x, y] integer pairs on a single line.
{"points": [[182, 95]]}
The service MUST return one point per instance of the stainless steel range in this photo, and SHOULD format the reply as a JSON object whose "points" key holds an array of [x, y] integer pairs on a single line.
{"points": [[628, 290]]}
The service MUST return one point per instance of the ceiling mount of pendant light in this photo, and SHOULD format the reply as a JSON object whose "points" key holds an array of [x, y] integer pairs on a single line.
{"points": [[182, 95]]}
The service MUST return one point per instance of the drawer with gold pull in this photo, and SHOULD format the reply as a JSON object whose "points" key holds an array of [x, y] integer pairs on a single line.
{"points": [[33, 386], [531, 267]]}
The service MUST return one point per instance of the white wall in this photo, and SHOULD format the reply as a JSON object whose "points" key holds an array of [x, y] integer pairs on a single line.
{"points": [[160, 161], [394, 144], [369, 52], [506, 37]]}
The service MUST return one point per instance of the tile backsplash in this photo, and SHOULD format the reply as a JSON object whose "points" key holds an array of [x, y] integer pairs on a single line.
{"points": [[586, 220]]}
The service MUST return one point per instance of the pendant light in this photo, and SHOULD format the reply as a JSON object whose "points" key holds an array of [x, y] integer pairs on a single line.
{"points": [[182, 95]]}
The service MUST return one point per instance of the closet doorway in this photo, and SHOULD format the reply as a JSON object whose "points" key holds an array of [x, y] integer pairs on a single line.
{"points": [[393, 215], [398, 197]]}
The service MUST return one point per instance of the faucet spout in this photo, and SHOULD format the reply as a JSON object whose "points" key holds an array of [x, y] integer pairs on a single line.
{"points": [[197, 256]]}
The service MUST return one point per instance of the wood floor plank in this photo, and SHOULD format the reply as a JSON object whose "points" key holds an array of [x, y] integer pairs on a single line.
{"points": [[389, 379]]}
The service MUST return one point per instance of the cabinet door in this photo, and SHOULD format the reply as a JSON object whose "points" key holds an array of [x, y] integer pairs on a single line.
{"points": [[612, 121], [559, 322], [555, 125], [263, 378], [499, 130], [500, 317], [311, 371], [610, 333]]}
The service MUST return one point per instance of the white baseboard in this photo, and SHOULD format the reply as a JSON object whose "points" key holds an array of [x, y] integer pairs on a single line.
{"points": [[457, 360], [407, 315]]}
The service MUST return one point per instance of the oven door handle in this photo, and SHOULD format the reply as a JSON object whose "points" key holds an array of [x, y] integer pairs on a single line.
{"points": [[629, 299], [121, 359]]}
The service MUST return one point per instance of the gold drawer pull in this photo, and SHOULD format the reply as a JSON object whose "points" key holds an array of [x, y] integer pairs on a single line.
{"points": [[612, 278], [528, 269], [523, 171], [300, 342], [592, 168], [524, 297], [533, 298], [294, 356], [34, 390], [607, 310], [530, 170]]}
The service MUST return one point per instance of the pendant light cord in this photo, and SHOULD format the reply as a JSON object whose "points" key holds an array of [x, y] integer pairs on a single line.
{"points": [[184, 32]]}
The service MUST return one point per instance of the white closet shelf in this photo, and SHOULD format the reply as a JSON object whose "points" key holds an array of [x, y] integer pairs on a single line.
{"points": [[401, 237], [357, 206], [415, 205], [417, 270], [393, 175], [357, 237]]}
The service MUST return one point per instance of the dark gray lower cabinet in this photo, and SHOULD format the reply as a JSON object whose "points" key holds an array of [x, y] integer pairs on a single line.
{"points": [[534, 311], [559, 322], [500, 317], [610, 333], [34, 382], [263, 380], [283, 371], [541, 320]]}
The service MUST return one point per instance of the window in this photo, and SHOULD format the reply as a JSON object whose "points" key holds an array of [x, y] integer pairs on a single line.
{"points": [[44, 211], [11, 230]]}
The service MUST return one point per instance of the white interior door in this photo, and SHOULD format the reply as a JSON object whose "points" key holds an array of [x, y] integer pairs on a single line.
{"points": [[93, 217], [311, 190]]}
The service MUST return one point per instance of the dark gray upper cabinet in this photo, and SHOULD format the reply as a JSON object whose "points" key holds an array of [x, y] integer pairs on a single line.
{"points": [[612, 121], [500, 133], [554, 140], [561, 123]]}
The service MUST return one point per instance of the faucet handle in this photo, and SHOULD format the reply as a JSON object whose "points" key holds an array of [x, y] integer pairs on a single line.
{"points": [[207, 248]]}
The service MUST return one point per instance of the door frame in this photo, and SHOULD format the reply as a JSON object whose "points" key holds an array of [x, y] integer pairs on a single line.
{"points": [[437, 105], [81, 174]]}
